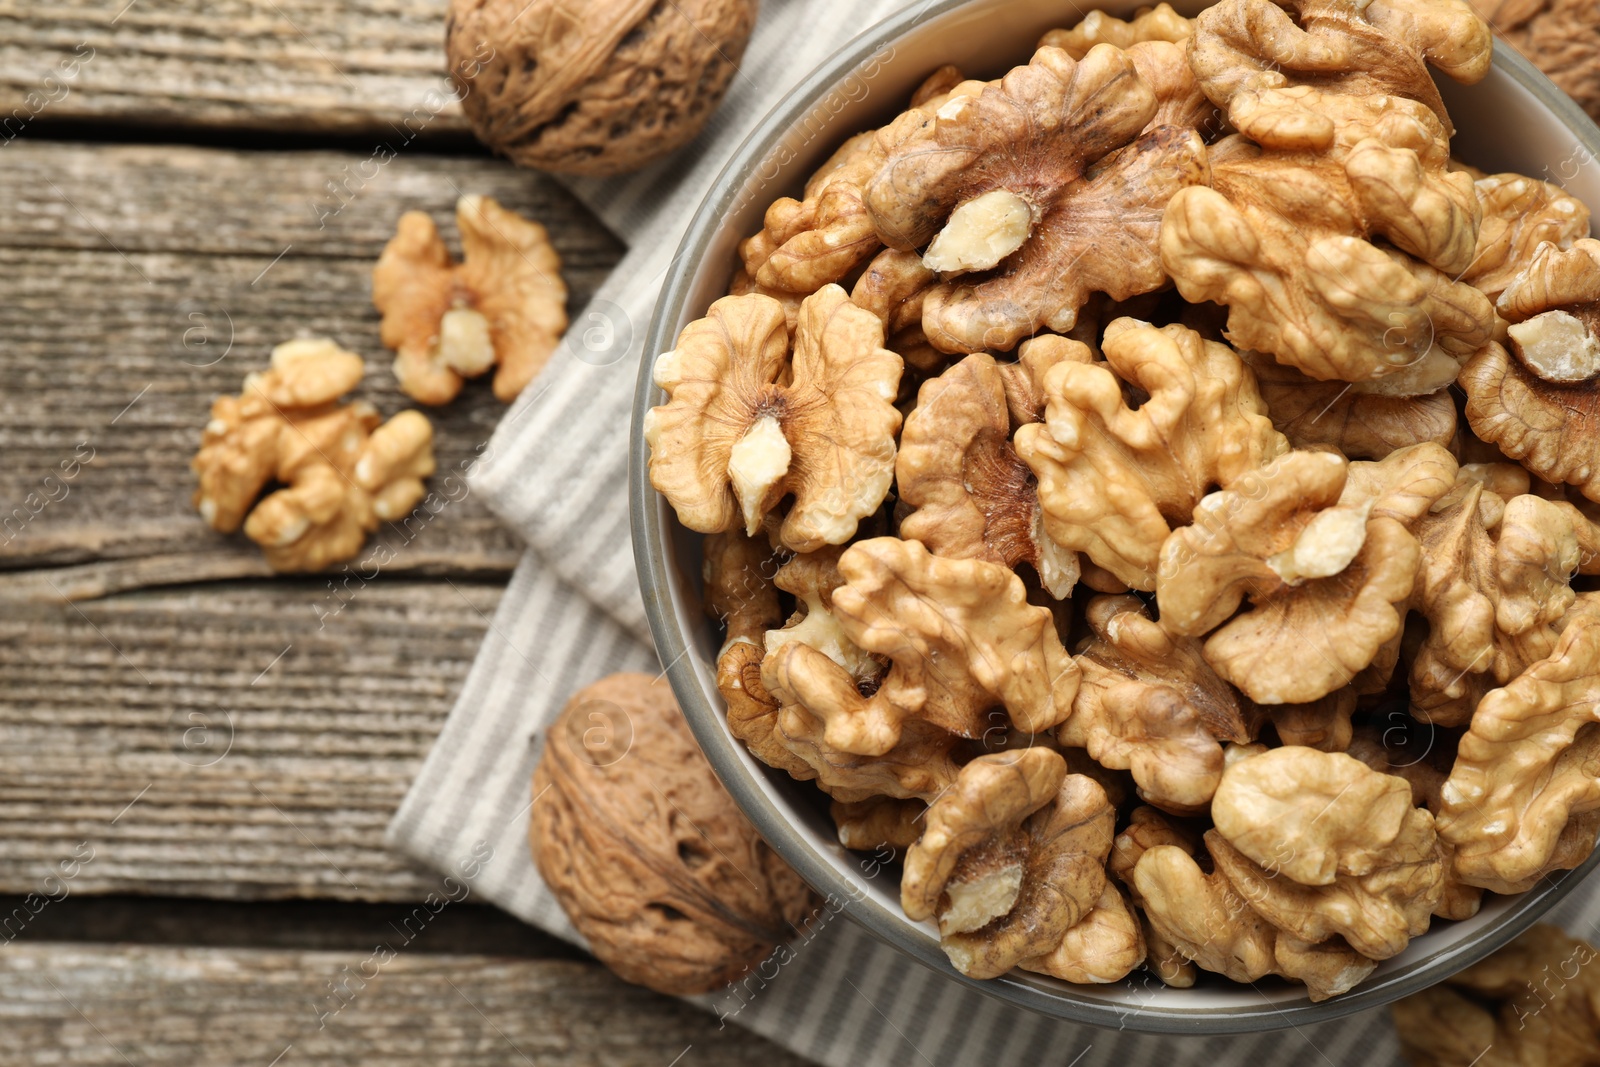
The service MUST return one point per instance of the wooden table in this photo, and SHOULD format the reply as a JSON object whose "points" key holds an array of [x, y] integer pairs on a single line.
{"points": [[197, 760]]}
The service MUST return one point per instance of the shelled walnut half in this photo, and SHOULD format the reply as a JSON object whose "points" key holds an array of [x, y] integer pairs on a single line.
{"points": [[1034, 193], [1543, 406], [1146, 829], [1494, 589], [808, 243], [1520, 215], [1326, 561], [1529, 767], [961, 640], [1357, 422], [970, 495], [1160, 23], [505, 304], [1116, 475], [1149, 703], [1334, 228], [753, 416], [1324, 846], [1013, 858], [1211, 924]]}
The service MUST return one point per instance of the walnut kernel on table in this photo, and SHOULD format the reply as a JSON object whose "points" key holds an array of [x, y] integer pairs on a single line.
{"points": [[1534, 1003], [503, 306], [650, 858], [342, 472], [597, 88]]}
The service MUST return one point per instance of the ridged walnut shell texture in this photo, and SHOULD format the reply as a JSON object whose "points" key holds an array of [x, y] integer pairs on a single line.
{"points": [[648, 855], [599, 87]]}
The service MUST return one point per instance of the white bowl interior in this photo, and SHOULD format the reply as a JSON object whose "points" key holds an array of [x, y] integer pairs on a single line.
{"points": [[1503, 126]]}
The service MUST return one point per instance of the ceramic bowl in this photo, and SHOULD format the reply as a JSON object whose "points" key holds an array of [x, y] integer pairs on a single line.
{"points": [[1513, 120]]}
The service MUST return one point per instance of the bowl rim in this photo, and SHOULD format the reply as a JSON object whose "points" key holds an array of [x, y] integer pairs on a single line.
{"points": [[707, 720]]}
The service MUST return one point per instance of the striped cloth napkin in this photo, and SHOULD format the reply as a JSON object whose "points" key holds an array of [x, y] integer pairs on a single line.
{"points": [[556, 472]]}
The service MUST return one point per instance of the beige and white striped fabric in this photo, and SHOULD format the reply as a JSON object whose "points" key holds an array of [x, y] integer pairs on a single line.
{"points": [[556, 472]]}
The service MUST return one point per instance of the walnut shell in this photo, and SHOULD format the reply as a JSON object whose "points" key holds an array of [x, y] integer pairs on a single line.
{"points": [[599, 88], [647, 853]]}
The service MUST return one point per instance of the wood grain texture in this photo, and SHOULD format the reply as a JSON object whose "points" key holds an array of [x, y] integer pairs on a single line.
{"points": [[114, 1006], [231, 741], [143, 281], [245, 64]]}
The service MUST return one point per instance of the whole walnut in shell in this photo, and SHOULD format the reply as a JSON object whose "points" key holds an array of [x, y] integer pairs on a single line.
{"points": [[648, 855], [598, 88]]}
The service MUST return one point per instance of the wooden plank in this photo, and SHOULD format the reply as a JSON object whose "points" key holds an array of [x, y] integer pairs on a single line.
{"points": [[249, 64], [118, 1005], [143, 281], [231, 741]]}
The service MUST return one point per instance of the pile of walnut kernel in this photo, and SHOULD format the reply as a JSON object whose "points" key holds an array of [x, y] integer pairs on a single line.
{"points": [[1148, 489], [341, 469]]}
